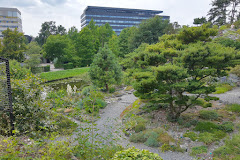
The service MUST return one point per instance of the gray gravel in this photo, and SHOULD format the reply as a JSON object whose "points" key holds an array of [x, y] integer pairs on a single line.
{"points": [[110, 122], [230, 97]]}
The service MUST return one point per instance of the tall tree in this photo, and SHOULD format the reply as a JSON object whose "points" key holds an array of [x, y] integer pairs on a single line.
{"points": [[57, 46], [218, 12], [47, 29], [105, 69], [234, 12], [105, 32], [200, 21], [114, 45], [34, 55], [72, 33], [85, 47], [149, 31], [13, 45]]}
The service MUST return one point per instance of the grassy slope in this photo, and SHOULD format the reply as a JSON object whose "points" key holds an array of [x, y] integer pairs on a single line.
{"points": [[49, 76]]}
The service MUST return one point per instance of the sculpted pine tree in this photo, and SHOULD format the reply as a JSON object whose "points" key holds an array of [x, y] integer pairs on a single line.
{"points": [[105, 69]]}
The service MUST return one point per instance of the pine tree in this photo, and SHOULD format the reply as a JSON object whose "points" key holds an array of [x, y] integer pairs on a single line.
{"points": [[105, 69]]}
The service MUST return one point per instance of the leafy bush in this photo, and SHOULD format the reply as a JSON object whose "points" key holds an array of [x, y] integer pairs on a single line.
{"points": [[208, 115], [112, 89], [227, 126], [68, 66], [139, 127], [192, 135], [236, 70], [138, 137], [151, 139], [206, 127], [101, 103], [234, 108], [46, 68], [206, 137], [17, 71], [167, 147], [86, 90], [230, 149], [136, 154], [199, 150], [35, 70]]}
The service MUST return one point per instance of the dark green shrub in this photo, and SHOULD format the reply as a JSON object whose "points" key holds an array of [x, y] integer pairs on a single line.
{"points": [[68, 66], [138, 137], [199, 150], [206, 127], [46, 68], [35, 70], [112, 89], [227, 126], [208, 115], [101, 103], [139, 127]]}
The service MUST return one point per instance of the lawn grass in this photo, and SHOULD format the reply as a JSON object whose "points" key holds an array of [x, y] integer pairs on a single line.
{"points": [[50, 76]]}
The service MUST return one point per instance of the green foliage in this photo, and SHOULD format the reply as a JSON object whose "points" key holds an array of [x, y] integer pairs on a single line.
{"points": [[167, 147], [192, 135], [149, 31], [135, 154], [227, 42], [199, 150], [17, 71], [206, 137], [208, 115], [211, 127], [236, 70], [86, 90], [206, 127], [230, 149], [114, 45], [138, 137], [13, 45], [47, 29], [68, 66], [234, 108], [200, 21], [139, 127], [59, 47], [151, 139], [9, 149], [222, 88], [46, 68], [193, 34], [34, 54], [227, 126], [105, 70], [112, 89], [50, 76]]}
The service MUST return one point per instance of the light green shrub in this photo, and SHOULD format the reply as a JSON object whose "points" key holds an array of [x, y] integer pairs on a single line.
{"points": [[199, 150], [136, 154]]}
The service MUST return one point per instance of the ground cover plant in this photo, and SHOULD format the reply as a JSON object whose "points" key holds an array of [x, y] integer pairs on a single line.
{"points": [[50, 76]]}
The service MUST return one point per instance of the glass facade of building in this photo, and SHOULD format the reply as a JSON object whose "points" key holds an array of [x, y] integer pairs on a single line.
{"points": [[10, 18], [118, 18]]}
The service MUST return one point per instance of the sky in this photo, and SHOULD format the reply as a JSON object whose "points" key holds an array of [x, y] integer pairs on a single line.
{"points": [[68, 12]]}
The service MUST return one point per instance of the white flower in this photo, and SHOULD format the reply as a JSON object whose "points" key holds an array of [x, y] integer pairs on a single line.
{"points": [[74, 89], [69, 90]]}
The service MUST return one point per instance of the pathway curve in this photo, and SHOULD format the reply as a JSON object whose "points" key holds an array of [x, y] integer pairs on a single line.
{"points": [[110, 120], [230, 97]]}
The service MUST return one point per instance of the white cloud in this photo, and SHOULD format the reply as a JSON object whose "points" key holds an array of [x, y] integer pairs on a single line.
{"points": [[68, 12]]}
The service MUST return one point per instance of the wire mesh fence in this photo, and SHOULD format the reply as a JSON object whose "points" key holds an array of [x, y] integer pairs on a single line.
{"points": [[6, 111]]}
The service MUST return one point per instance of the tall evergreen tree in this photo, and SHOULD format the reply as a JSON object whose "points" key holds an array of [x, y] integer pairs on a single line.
{"points": [[105, 69]]}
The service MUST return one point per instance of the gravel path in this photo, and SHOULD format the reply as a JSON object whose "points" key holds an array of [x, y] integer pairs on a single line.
{"points": [[230, 97], [110, 121]]}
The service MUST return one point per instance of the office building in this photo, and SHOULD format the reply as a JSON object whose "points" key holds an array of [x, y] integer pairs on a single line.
{"points": [[10, 18], [118, 18]]}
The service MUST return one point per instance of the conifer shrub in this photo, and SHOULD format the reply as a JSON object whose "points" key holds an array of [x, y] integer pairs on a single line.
{"points": [[208, 115]]}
